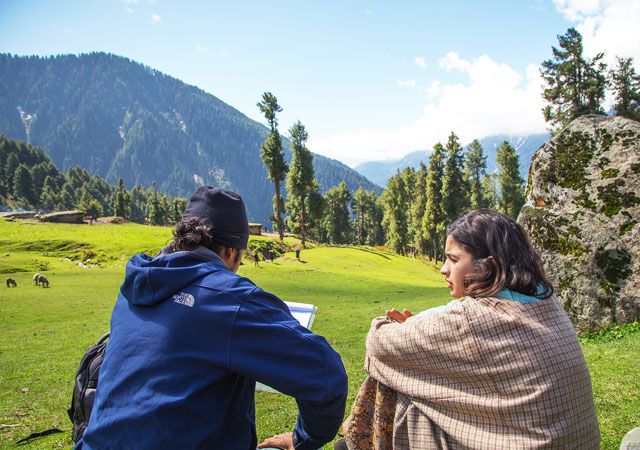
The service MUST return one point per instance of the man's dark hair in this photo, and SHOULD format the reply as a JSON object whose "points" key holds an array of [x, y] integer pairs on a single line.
{"points": [[193, 232], [514, 264]]}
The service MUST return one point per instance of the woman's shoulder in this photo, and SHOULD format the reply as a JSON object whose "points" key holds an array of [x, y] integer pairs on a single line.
{"points": [[453, 304], [499, 309]]}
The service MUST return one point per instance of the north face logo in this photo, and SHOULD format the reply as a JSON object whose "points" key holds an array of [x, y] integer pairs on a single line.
{"points": [[184, 299]]}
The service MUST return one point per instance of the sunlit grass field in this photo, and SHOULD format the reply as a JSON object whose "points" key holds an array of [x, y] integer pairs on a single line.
{"points": [[44, 332]]}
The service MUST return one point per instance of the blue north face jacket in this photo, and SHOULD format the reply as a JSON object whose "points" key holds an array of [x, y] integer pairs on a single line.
{"points": [[188, 341]]}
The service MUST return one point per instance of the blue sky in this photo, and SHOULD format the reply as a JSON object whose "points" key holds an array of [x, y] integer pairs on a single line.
{"points": [[370, 80]]}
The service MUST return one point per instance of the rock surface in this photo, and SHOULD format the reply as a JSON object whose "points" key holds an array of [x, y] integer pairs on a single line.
{"points": [[63, 217], [19, 214], [582, 214]]}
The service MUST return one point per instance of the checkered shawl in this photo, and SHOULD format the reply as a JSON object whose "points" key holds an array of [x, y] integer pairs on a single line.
{"points": [[486, 373]]}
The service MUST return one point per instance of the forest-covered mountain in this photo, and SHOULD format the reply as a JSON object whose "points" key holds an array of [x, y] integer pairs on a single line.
{"points": [[118, 118], [380, 171], [29, 180]]}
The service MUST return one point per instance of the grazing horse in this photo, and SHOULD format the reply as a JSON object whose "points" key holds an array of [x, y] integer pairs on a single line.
{"points": [[43, 280], [35, 278], [11, 282]]}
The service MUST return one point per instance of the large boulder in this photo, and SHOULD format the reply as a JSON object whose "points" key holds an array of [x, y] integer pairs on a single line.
{"points": [[18, 214], [582, 212], [63, 217]]}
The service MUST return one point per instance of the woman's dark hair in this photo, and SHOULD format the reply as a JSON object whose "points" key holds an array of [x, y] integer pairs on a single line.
{"points": [[193, 232], [503, 256]]}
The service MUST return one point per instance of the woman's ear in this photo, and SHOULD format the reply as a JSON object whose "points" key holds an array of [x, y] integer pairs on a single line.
{"points": [[493, 262]]}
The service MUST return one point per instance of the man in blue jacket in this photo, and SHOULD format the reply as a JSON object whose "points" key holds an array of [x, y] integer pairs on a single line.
{"points": [[190, 337]]}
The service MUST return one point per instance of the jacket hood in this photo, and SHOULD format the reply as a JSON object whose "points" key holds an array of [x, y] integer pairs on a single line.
{"points": [[149, 281]]}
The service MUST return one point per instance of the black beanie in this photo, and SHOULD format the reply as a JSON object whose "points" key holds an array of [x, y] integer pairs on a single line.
{"points": [[226, 212]]}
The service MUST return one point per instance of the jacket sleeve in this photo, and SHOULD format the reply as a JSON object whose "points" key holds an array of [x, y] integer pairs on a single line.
{"points": [[434, 348], [270, 346]]}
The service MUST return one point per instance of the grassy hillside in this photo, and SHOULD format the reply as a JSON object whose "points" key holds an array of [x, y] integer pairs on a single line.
{"points": [[45, 331]]}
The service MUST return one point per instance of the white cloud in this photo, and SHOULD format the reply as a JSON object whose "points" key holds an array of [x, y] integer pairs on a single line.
{"points": [[129, 10], [407, 83], [156, 18], [576, 10], [433, 90], [202, 49], [495, 99], [606, 25], [420, 61], [452, 61]]}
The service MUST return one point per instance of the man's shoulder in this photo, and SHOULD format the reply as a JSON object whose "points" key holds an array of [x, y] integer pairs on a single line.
{"points": [[226, 281]]}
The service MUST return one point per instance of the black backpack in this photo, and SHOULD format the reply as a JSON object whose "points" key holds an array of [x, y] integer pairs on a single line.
{"points": [[84, 389]]}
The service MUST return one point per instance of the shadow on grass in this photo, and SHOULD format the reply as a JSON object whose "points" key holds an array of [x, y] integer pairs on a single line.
{"points": [[374, 252]]}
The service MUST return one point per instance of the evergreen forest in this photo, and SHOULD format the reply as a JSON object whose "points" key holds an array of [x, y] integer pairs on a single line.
{"points": [[117, 118]]}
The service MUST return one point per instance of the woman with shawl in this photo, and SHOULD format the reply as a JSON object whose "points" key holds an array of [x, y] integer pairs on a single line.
{"points": [[499, 367]]}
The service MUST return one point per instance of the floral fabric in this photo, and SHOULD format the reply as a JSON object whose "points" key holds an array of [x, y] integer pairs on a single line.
{"points": [[370, 424]]}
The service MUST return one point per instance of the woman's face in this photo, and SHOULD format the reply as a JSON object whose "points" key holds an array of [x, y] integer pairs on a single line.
{"points": [[459, 263]]}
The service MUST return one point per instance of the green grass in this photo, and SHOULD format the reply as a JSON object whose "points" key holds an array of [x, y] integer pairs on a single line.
{"points": [[46, 331]]}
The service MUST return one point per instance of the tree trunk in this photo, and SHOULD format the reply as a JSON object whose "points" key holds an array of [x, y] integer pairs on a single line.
{"points": [[435, 250], [278, 213], [302, 222]]}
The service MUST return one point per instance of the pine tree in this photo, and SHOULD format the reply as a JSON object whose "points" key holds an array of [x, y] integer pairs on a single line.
{"points": [[511, 196], [489, 196], [625, 84], [316, 206], [138, 204], [454, 184], [67, 198], [89, 205], [376, 232], [409, 185], [360, 206], [167, 209], [433, 225], [38, 174], [575, 85], [49, 196], [178, 207], [23, 187], [300, 180], [119, 206], [337, 219], [12, 166], [155, 213], [272, 156], [475, 170], [395, 219], [418, 209], [368, 218]]}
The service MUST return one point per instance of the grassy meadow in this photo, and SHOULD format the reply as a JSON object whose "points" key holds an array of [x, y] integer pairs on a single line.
{"points": [[44, 332]]}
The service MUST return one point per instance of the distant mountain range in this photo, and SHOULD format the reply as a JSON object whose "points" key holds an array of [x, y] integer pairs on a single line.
{"points": [[118, 118], [380, 171]]}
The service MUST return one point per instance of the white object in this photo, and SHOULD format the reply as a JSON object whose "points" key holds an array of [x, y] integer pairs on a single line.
{"points": [[303, 313]]}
